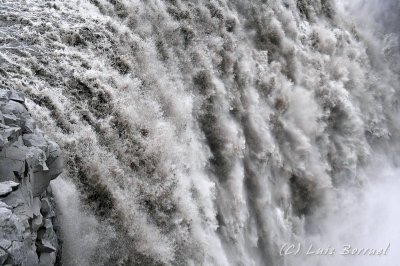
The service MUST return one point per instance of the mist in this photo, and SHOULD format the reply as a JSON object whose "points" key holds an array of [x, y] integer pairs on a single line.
{"points": [[366, 218]]}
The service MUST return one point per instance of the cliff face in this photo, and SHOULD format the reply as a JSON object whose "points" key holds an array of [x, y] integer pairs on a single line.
{"points": [[28, 162]]}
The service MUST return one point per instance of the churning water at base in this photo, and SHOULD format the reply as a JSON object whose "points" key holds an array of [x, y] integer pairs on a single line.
{"points": [[212, 132]]}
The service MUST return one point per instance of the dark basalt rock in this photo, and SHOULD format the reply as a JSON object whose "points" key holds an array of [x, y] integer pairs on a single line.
{"points": [[28, 162]]}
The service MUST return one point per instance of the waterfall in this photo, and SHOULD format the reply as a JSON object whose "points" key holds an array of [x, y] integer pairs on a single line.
{"points": [[214, 132]]}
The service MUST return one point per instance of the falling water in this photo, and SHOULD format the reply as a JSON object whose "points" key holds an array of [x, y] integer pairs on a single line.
{"points": [[213, 132]]}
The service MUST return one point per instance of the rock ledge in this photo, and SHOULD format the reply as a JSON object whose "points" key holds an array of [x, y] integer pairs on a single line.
{"points": [[28, 162]]}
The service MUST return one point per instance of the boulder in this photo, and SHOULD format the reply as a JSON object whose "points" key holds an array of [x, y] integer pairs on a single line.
{"points": [[45, 206], [10, 134], [36, 204], [3, 256], [46, 259], [7, 187], [16, 96], [35, 140], [45, 246], [37, 222]]}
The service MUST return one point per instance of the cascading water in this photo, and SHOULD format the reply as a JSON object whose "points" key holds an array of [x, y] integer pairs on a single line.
{"points": [[212, 132]]}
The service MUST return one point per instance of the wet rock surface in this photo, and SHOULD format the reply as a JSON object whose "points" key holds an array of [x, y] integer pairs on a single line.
{"points": [[28, 162]]}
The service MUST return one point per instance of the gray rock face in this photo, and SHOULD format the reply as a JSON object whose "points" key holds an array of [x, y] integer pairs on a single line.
{"points": [[28, 162], [7, 187]]}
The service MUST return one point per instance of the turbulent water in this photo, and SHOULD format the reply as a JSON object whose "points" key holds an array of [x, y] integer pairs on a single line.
{"points": [[213, 132]]}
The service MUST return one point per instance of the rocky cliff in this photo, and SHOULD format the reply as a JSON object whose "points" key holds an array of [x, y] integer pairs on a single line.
{"points": [[28, 162]]}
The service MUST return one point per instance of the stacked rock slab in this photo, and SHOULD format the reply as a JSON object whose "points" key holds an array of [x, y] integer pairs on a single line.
{"points": [[28, 162]]}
